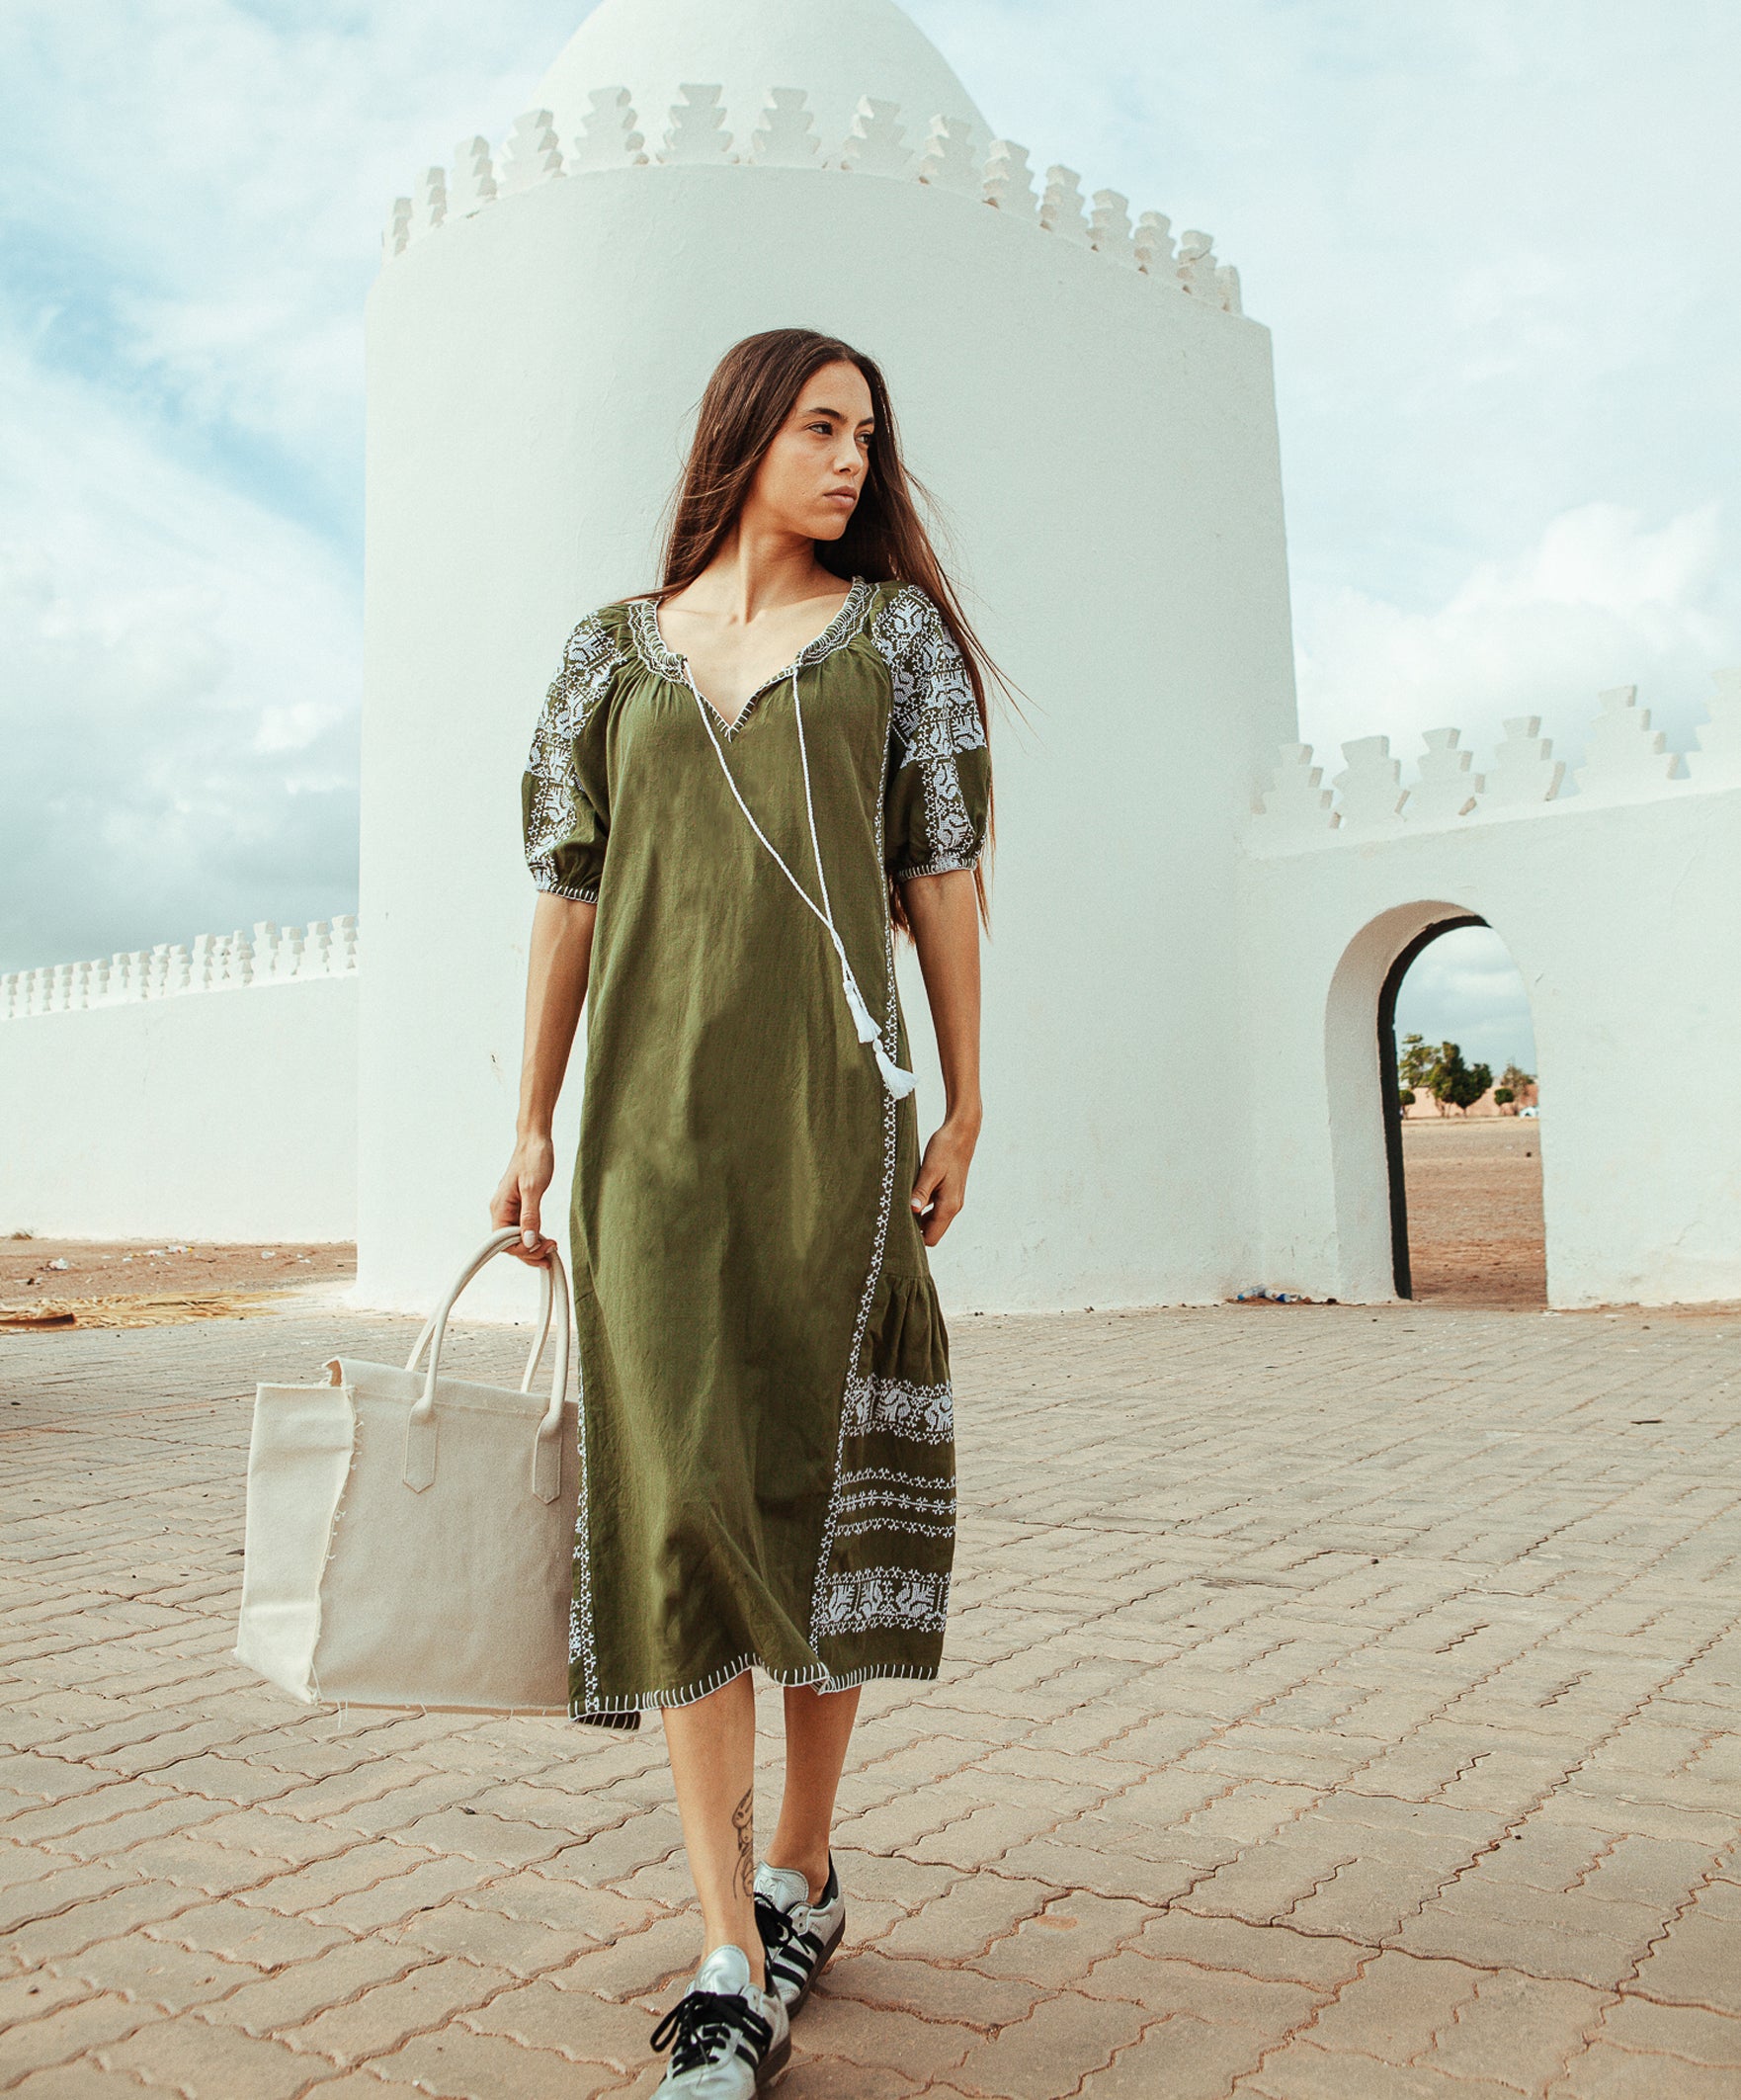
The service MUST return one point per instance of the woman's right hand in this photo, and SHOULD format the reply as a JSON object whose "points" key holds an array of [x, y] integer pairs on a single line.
{"points": [[519, 1195]]}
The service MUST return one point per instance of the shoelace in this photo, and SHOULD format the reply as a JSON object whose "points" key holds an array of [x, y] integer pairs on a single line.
{"points": [[703, 2027], [778, 1930]]}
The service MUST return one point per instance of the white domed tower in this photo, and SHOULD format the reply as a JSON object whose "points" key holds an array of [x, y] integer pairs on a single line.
{"points": [[841, 50], [1096, 417]]}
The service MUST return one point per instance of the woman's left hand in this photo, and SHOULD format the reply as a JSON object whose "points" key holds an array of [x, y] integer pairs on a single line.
{"points": [[942, 1186]]}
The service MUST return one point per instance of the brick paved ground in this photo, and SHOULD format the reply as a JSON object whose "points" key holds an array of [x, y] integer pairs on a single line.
{"points": [[1338, 1709]]}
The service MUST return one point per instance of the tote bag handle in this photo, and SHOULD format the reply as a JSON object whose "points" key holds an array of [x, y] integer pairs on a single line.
{"points": [[547, 1307], [420, 1425]]}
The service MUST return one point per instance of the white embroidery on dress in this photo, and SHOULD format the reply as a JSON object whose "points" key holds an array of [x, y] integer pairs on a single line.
{"points": [[582, 1647], [877, 1483], [939, 1502], [892, 1512], [936, 719], [925, 1414], [589, 662], [871, 1597], [877, 1499], [819, 1592], [665, 662], [861, 1525]]}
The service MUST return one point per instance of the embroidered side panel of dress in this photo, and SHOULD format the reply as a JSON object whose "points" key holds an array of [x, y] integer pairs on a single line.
{"points": [[900, 1507]]}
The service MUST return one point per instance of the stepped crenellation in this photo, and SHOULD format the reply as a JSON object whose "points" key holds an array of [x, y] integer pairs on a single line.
{"points": [[786, 137], [877, 144], [265, 955], [533, 155], [943, 152], [1447, 788], [1009, 181], [1523, 769], [1368, 788], [1109, 227], [608, 137], [1196, 265], [696, 135], [474, 178], [1625, 760], [429, 207], [1060, 209], [1623, 751], [950, 159], [1154, 245]]}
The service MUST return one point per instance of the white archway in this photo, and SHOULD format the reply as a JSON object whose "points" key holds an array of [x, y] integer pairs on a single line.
{"points": [[1365, 1142]]}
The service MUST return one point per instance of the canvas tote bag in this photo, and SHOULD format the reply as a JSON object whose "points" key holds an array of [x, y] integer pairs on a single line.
{"points": [[409, 1535]]}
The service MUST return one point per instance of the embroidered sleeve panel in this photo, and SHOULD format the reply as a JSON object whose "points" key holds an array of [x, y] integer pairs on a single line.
{"points": [[561, 819], [936, 725]]}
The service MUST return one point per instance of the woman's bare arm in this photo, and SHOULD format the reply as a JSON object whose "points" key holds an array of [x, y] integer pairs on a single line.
{"points": [[944, 912], [558, 959]]}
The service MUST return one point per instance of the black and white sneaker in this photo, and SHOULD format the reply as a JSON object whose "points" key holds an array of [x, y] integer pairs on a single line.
{"points": [[728, 2040], [798, 1936]]}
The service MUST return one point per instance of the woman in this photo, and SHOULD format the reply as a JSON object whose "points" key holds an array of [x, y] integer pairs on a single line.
{"points": [[739, 784]]}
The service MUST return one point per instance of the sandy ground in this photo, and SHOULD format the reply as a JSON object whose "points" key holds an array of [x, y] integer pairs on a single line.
{"points": [[115, 1269], [1474, 1209]]}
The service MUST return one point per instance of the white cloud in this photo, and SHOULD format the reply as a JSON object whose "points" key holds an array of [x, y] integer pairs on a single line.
{"points": [[195, 195], [1486, 251], [1601, 599], [1490, 250], [179, 692], [1465, 988]]}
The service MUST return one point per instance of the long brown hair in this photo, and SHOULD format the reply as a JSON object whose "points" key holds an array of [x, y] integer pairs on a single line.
{"points": [[754, 389]]}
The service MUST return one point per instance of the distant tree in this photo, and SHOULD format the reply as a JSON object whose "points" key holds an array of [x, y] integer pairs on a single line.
{"points": [[1502, 1096], [1456, 1084], [1515, 1077], [1414, 1068], [1407, 1097]]}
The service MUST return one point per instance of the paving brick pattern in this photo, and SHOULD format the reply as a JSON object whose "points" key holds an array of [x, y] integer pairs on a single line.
{"points": [[1339, 1706]]}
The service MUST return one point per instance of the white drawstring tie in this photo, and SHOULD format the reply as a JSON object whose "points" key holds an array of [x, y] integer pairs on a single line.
{"points": [[898, 1081]]}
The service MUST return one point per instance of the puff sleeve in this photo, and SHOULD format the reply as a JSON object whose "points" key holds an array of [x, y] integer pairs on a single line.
{"points": [[563, 794], [939, 769]]}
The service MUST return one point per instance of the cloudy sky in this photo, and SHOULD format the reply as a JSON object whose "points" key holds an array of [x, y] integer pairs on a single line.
{"points": [[1492, 241]]}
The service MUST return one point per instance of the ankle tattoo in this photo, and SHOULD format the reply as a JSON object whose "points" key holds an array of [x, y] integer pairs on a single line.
{"points": [[743, 1822]]}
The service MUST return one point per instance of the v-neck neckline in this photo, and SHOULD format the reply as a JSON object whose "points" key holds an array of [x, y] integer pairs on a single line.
{"points": [[667, 662]]}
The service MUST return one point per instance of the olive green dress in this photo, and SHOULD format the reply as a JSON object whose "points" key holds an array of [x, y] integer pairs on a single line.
{"points": [[766, 1434]]}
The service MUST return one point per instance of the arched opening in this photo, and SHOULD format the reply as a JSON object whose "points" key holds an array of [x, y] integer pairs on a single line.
{"points": [[1391, 1091], [1462, 1150], [1375, 1260]]}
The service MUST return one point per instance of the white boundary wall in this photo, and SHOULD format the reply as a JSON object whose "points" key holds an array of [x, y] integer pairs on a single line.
{"points": [[138, 1104]]}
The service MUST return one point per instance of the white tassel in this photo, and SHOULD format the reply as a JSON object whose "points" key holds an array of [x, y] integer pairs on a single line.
{"points": [[862, 1020], [899, 1082]]}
